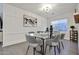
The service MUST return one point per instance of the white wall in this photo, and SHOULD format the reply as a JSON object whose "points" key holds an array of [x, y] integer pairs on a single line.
{"points": [[13, 30], [68, 16], [77, 25], [1, 9], [78, 8], [1, 15]]}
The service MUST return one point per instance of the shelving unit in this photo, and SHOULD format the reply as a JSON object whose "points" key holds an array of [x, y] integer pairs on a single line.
{"points": [[74, 35]]}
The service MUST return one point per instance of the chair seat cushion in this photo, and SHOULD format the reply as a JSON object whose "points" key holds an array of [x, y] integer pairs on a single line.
{"points": [[54, 43]]}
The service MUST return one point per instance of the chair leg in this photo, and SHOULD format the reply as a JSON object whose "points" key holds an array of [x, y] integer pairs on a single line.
{"points": [[41, 48], [55, 50], [27, 49], [62, 45], [50, 47], [45, 48], [34, 49], [58, 49]]}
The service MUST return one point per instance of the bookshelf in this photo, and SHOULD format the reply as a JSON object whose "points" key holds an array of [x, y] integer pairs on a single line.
{"points": [[74, 35]]}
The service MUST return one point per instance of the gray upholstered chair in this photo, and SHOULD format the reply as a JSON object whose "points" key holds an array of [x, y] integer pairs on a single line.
{"points": [[61, 39], [32, 42], [31, 32], [53, 42]]}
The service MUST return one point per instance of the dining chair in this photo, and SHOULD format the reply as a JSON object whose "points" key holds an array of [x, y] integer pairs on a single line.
{"points": [[32, 42], [53, 42], [31, 32], [40, 31], [61, 39]]}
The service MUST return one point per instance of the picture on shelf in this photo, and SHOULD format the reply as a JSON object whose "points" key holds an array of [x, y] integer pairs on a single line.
{"points": [[29, 21]]}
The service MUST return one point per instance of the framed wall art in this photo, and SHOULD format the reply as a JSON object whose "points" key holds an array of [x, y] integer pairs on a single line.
{"points": [[29, 21]]}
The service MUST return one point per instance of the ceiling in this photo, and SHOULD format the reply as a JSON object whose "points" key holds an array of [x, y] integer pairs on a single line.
{"points": [[58, 9]]}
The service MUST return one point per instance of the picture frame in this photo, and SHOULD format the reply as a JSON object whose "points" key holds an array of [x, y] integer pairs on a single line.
{"points": [[29, 21]]}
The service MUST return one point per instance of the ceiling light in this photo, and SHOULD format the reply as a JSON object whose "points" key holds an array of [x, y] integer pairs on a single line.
{"points": [[47, 7]]}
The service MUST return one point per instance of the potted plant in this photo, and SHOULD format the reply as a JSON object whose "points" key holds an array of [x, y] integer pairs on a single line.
{"points": [[72, 27]]}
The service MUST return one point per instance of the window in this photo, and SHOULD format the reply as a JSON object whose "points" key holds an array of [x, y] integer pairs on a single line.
{"points": [[59, 25]]}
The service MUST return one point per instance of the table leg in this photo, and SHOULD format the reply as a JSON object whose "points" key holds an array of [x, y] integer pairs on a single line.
{"points": [[43, 47], [59, 47]]}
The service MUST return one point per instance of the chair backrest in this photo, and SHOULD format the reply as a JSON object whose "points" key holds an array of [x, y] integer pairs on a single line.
{"points": [[31, 32], [40, 31], [57, 37], [56, 32], [62, 36], [31, 39]]}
